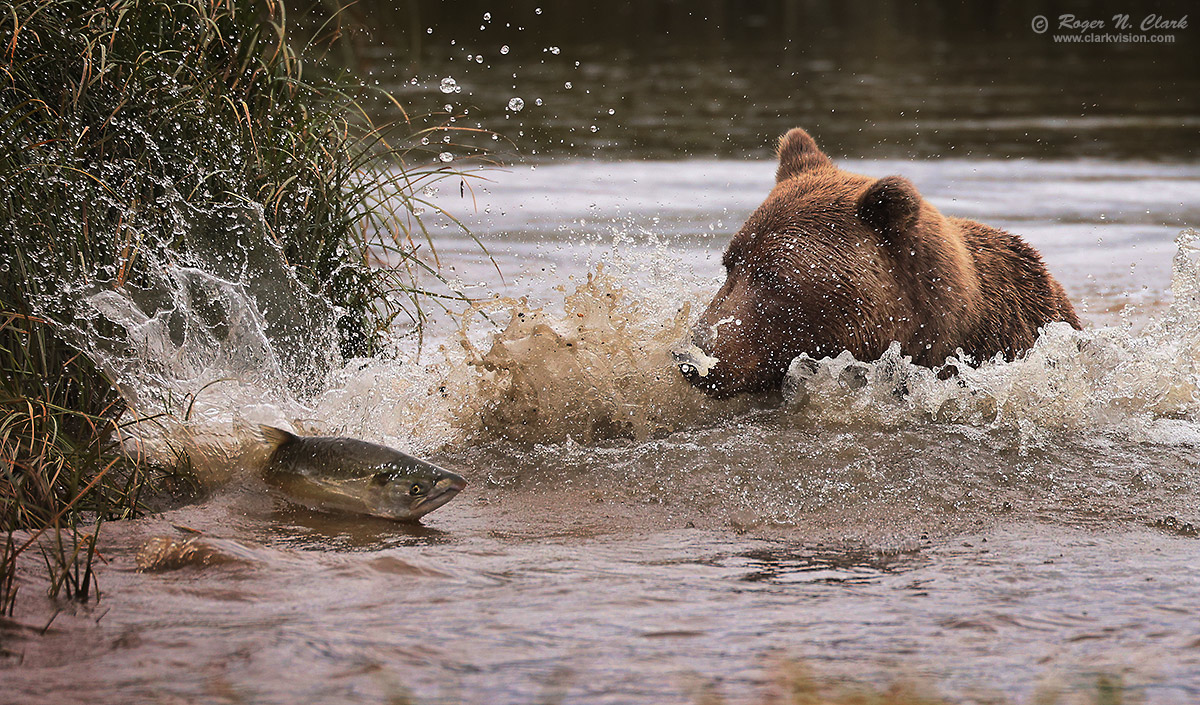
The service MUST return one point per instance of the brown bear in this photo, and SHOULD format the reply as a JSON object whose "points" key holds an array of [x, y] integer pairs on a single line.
{"points": [[835, 261]]}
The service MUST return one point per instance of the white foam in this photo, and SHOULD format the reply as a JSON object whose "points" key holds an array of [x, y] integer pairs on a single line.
{"points": [[596, 365], [1107, 380]]}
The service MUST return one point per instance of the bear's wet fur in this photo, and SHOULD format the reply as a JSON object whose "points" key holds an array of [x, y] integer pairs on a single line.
{"points": [[835, 261]]}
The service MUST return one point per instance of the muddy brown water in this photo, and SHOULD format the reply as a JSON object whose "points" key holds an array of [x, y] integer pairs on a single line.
{"points": [[1030, 529], [624, 540]]}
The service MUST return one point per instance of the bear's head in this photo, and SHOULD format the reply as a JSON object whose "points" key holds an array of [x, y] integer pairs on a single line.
{"points": [[831, 261]]}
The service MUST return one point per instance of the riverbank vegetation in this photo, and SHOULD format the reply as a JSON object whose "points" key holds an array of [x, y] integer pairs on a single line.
{"points": [[143, 138]]}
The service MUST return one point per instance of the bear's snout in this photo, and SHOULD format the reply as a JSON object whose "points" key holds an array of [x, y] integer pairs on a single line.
{"points": [[694, 363], [705, 369], [687, 367], [706, 358]]}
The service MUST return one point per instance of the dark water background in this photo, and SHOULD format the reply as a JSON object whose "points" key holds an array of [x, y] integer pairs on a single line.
{"points": [[886, 79]]}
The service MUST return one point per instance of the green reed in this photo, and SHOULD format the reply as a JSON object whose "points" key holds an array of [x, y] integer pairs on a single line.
{"points": [[140, 136]]}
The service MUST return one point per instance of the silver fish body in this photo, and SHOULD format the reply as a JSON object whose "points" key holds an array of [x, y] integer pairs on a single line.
{"points": [[347, 474]]}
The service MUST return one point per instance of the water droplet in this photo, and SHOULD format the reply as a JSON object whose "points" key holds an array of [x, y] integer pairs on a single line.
{"points": [[487, 16], [611, 111], [449, 85], [555, 50], [515, 104], [537, 11], [446, 157], [568, 85], [594, 128], [537, 101], [424, 140], [504, 49]]}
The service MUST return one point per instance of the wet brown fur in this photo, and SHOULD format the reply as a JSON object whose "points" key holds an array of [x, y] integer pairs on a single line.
{"points": [[835, 261]]}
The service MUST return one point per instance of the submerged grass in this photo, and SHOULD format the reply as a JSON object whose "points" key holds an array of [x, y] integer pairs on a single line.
{"points": [[795, 683], [140, 140], [60, 457]]}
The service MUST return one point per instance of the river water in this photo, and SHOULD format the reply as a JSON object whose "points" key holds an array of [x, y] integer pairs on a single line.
{"points": [[626, 540], [1027, 528]]}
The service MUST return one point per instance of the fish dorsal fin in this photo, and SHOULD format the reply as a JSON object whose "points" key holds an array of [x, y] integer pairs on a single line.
{"points": [[275, 437]]}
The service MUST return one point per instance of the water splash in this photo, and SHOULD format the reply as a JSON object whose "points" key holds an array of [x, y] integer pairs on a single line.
{"points": [[599, 368], [1145, 386], [228, 311]]}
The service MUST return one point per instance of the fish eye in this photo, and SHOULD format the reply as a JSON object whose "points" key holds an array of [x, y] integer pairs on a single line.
{"points": [[416, 490]]}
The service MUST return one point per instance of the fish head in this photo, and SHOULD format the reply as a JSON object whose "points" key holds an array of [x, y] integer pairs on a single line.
{"points": [[412, 488]]}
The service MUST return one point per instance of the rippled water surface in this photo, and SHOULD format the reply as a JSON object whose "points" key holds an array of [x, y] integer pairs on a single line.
{"points": [[598, 559], [1022, 528]]}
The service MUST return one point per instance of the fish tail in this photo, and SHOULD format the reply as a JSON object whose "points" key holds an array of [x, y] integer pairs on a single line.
{"points": [[275, 437]]}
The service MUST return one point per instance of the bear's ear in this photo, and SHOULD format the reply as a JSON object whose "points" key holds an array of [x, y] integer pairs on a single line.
{"points": [[798, 153], [890, 205]]}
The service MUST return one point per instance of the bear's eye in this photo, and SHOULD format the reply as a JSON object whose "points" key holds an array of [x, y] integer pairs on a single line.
{"points": [[768, 276]]}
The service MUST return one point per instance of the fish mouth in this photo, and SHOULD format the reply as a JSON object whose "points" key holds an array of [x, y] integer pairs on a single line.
{"points": [[443, 491]]}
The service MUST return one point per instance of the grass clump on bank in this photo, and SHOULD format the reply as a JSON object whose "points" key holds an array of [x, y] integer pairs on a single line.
{"points": [[163, 162]]}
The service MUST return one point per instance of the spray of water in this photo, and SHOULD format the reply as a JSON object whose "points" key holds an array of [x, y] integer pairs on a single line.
{"points": [[599, 368], [1144, 386]]}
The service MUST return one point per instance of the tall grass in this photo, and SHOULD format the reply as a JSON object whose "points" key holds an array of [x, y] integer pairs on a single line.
{"points": [[61, 458], [141, 138]]}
